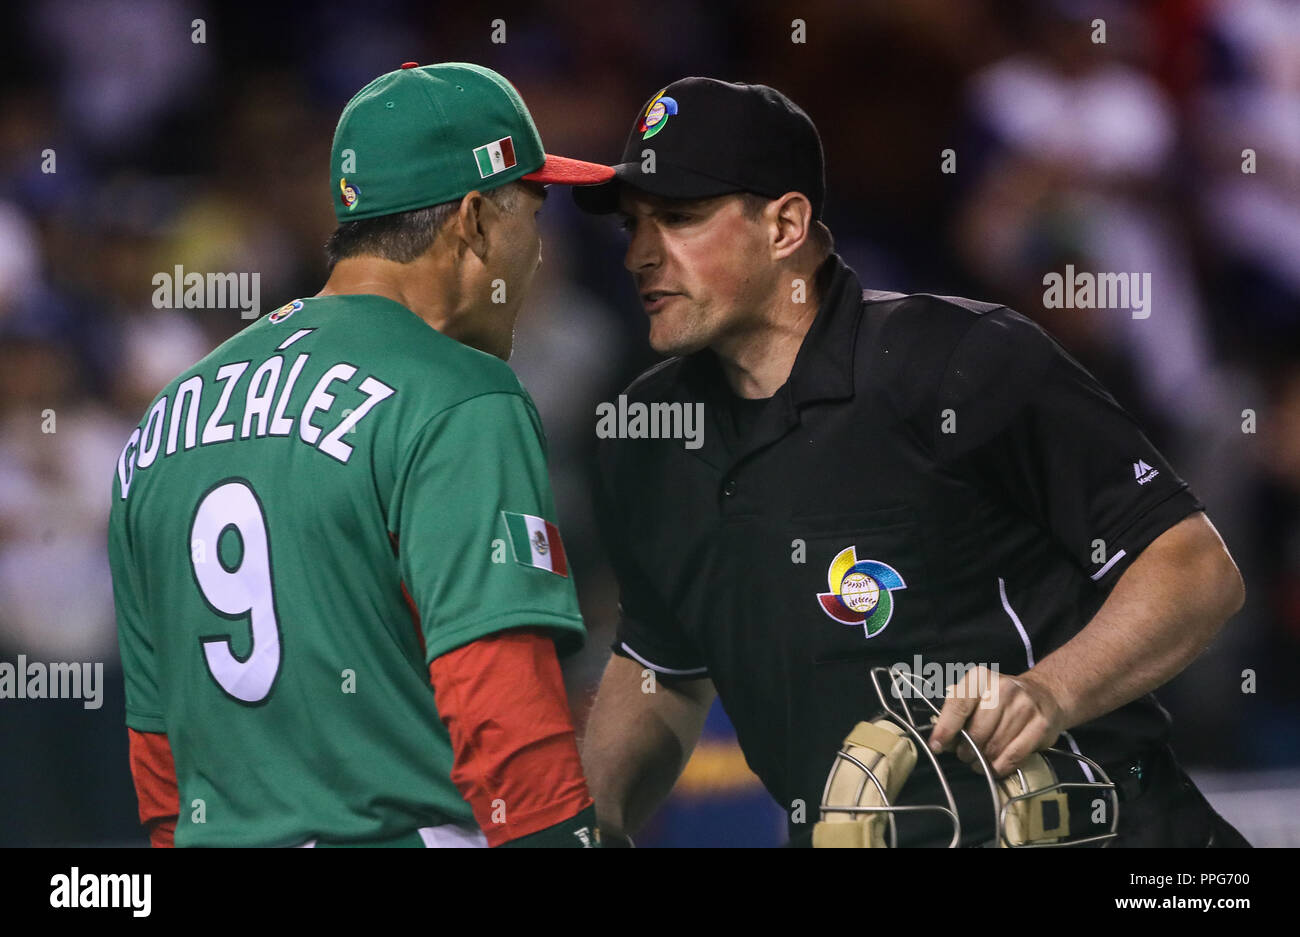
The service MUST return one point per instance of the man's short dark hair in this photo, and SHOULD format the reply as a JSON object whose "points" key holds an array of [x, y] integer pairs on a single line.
{"points": [[820, 235], [406, 235]]}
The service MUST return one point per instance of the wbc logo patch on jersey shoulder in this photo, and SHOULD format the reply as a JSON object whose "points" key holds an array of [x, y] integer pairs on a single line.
{"points": [[860, 592], [536, 542], [286, 311]]}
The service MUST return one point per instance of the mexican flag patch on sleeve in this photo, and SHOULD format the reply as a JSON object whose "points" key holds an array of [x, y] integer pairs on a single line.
{"points": [[536, 542]]}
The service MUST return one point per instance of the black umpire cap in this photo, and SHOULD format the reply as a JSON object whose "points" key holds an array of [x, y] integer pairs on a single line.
{"points": [[713, 137]]}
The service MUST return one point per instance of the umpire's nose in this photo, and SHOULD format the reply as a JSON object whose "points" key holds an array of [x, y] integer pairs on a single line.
{"points": [[644, 249]]}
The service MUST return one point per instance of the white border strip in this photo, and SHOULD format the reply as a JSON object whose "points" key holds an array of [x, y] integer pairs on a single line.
{"points": [[667, 670], [447, 836], [451, 836]]}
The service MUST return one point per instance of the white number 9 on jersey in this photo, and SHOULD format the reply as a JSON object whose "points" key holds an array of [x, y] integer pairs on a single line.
{"points": [[243, 590]]}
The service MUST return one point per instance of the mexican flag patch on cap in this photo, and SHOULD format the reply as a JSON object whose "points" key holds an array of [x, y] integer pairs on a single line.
{"points": [[495, 157], [536, 542]]}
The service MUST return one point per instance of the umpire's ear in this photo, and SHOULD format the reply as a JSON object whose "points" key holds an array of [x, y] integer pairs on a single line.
{"points": [[790, 219]]}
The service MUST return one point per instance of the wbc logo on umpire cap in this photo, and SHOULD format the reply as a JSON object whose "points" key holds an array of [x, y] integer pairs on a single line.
{"points": [[656, 115], [860, 592]]}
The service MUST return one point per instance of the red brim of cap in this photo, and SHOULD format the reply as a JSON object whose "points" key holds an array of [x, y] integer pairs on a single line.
{"points": [[565, 171]]}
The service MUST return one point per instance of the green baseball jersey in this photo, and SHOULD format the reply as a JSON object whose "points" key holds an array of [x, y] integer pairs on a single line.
{"points": [[301, 523]]}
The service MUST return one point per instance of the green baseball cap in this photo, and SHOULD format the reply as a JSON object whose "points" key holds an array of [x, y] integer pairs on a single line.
{"points": [[424, 135]]}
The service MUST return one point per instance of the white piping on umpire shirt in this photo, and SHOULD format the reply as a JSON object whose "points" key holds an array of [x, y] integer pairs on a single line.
{"points": [[1029, 655], [1109, 563], [667, 670]]}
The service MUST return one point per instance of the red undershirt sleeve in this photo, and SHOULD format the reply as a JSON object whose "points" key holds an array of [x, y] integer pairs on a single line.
{"points": [[154, 774], [516, 763]]}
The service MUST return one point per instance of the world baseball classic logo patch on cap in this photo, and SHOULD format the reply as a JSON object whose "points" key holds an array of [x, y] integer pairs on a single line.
{"points": [[860, 592], [495, 157], [536, 542], [726, 138], [350, 193], [656, 115]]}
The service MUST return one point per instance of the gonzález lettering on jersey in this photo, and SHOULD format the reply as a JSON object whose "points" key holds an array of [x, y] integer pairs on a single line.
{"points": [[172, 424]]}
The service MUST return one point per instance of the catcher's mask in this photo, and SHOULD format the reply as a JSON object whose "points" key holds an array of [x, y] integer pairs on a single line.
{"points": [[1030, 807]]}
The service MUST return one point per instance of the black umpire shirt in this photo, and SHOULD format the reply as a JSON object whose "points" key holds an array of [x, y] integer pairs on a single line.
{"points": [[938, 477]]}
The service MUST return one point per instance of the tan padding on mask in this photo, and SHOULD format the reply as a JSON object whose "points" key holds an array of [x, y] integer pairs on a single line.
{"points": [[883, 747], [1024, 823]]}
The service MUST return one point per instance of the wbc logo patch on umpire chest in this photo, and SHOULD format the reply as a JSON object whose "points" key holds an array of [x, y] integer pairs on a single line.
{"points": [[860, 592], [536, 542]]}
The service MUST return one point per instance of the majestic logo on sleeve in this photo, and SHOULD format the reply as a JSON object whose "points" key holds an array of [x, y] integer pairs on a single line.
{"points": [[860, 592], [1143, 472]]}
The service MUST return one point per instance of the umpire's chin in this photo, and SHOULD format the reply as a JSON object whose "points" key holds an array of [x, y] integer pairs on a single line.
{"points": [[676, 326]]}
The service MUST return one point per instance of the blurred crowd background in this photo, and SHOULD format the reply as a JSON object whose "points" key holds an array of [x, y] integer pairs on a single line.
{"points": [[1122, 156]]}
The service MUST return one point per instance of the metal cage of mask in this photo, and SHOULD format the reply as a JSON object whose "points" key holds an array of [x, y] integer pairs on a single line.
{"points": [[1016, 799]]}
